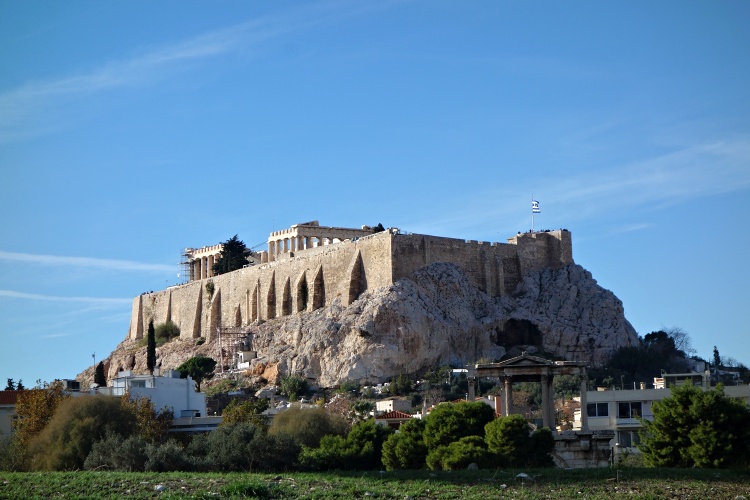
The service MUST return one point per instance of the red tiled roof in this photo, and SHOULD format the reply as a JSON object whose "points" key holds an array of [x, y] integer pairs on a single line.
{"points": [[393, 414], [8, 397]]}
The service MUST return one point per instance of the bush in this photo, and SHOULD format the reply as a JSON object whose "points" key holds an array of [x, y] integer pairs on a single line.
{"points": [[450, 422], [169, 457], [117, 453], [74, 428], [513, 444], [406, 449], [362, 449], [11, 454], [293, 386], [307, 426], [165, 332], [459, 454]]}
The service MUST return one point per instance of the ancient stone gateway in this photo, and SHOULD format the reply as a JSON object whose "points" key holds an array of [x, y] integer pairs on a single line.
{"points": [[582, 448], [526, 368]]}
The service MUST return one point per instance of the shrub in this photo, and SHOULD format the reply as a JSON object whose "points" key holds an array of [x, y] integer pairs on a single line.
{"points": [[165, 332], [450, 422], [459, 454], [293, 386], [307, 426], [362, 449], [117, 453], [169, 457], [76, 425], [406, 449], [513, 444]]}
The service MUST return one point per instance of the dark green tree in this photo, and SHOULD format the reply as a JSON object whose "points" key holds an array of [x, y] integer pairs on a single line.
{"points": [[293, 386], [233, 256], [697, 428], [151, 348], [450, 422], [11, 386], [406, 449], [99, 378], [459, 454], [361, 449], [717, 358], [514, 445], [199, 368]]}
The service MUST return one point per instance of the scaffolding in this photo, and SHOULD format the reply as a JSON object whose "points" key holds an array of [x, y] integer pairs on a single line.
{"points": [[186, 267], [230, 341]]}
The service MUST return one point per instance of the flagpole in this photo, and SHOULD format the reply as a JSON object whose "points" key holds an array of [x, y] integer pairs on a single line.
{"points": [[532, 213]]}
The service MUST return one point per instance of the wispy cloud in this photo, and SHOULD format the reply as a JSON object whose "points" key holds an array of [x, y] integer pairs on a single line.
{"points": [[86, 262], [20, 107], [54, 298], [697, 171]]}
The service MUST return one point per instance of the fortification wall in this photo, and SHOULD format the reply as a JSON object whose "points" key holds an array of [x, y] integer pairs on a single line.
{"points": [[302, 281], [495, 268], [310, 279]]}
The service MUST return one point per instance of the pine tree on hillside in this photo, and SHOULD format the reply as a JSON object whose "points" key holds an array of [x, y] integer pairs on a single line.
{"points": [[233, 256]]}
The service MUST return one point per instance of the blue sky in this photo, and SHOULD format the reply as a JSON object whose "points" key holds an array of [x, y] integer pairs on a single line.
{"points": [[131, 130]]}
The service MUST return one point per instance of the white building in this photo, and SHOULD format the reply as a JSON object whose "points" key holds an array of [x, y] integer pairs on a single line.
{"points": [[620, 410], [169, 390]]}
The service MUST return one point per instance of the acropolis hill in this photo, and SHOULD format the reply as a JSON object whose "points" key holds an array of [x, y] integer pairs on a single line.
{"points": [[335, 304]]}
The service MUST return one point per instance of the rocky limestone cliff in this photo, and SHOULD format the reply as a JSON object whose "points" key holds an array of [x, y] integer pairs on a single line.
{"points": [[434, 318]]}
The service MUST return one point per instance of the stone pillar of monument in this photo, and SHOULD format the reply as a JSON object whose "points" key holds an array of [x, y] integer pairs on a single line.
{"points": [[197, 269], [210, 266], [547, 403], [204, 267], [584, 410], [508, 396], [472, 391], [271, 251], [308, 242]]}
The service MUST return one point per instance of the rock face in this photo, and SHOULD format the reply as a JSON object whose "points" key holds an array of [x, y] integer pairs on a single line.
{"points": [[434, 318]]}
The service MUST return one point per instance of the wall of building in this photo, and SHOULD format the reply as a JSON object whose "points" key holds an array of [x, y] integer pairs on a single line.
{"points": [[313, 278]]}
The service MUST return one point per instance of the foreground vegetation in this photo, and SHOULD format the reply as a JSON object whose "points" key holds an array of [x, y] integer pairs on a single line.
{"points": [[548, 483]]}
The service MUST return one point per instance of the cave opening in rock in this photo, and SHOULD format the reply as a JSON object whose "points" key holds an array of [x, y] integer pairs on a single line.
{"points": [[518, 332]]}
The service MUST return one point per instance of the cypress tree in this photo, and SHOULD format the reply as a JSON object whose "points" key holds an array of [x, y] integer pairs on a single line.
{"points": [[99, 377], [151, 348]]}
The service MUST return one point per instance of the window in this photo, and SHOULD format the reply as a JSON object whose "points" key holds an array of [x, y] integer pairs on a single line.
{"points": [[628, 439], [629, 410], [597, 409], [138, 383]]}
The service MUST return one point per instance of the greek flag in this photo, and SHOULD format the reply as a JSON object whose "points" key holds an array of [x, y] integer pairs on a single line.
{"points": [[535, 207]]}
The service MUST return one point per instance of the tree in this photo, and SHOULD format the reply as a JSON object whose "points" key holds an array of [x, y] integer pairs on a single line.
{"points": [[233, 256], [406, 449], [99, 378], [293, 386], [248, 411], [11, 386], [199, 368], [150, 424], [717, 358], [697, 428], [450, 422], [361, 449], [77, 424], [510, 439], [308, 426], [35, 408], [151, 348], [459, 454]]}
